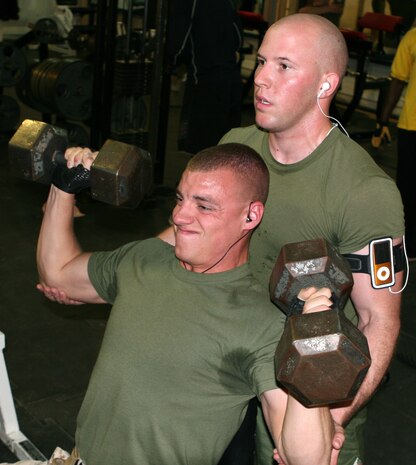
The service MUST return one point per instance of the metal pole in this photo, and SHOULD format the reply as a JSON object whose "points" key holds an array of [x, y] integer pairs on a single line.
{"points": [[103, 71], [160, 94]]}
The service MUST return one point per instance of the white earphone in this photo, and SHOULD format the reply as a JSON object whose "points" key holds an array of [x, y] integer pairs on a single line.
{"points": [[325, 86]]}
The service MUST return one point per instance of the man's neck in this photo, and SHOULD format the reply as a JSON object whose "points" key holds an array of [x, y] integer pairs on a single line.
{"points": [[292, 146], [226, 262]]}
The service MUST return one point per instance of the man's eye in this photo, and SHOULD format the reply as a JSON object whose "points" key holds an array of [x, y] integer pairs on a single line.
{"points": [[178, 199], [284, 66], [204, 208], [260, 61]]}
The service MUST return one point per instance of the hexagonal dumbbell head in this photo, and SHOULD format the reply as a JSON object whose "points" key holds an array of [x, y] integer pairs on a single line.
{"points": [[309, 263], [32, 150], [322, 358], [121, 174]]}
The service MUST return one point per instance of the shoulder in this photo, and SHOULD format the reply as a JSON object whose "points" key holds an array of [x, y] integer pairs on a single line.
{"points": [[352, 169], [404, 56], [149, 248], [410, 36], [354, 161]]}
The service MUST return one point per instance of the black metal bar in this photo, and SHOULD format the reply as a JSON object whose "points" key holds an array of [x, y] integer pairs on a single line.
{"points": [[100, 42], [107, 96], [160, 95]]}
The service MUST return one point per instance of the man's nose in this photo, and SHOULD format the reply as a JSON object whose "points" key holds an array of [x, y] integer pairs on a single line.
{"points": [[181, 214], [261, 77]]}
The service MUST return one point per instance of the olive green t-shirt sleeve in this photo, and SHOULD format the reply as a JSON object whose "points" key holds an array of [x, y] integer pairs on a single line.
{"points": [[102, 270]]}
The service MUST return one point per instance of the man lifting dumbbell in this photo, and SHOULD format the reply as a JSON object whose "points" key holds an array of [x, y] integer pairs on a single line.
{"points": [[120, 174], [191, 337]]}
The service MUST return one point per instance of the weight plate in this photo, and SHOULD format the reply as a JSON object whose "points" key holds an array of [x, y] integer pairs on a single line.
{"points": [[24, 91], [64, 86], [73, 90]]}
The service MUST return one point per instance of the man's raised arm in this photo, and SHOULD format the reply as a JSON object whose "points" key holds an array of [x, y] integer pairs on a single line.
{"points": [[303, 435], [61, 262]]}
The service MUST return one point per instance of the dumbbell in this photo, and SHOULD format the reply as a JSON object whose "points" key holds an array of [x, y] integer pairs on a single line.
{"points": [[322, 358], [121, 174]]}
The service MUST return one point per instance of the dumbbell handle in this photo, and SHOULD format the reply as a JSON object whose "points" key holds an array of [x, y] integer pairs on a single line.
{"points": [[58, 158]]}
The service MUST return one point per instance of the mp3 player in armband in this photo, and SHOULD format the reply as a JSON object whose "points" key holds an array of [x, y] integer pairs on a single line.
{"points": [[382, 263]]}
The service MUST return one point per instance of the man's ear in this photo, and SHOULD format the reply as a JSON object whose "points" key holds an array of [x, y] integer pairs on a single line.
{"points": [[254, 215], [331, 84]]}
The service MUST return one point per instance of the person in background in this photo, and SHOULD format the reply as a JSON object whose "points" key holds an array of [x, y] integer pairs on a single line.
{"points": [[403, 75], [206, 36]]}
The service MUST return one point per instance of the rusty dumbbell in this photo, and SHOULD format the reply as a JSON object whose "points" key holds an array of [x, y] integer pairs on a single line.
{"points": [[121, 174], [322, 358]]}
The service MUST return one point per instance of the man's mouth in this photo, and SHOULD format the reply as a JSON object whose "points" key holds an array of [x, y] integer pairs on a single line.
{"points": [[263, 101]]}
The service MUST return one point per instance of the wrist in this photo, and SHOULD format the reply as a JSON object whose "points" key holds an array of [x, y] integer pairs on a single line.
{"points": [[57, 193], [71, 180]]}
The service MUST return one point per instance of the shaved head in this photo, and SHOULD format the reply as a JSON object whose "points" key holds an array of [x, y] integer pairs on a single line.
{"points": [[325, 39]]}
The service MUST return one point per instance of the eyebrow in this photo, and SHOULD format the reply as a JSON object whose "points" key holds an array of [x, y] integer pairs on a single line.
{"points": [[278, 58], [201, 198]]}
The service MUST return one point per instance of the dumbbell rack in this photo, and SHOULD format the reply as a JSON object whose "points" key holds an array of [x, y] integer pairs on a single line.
{"points": [[10, 433]]}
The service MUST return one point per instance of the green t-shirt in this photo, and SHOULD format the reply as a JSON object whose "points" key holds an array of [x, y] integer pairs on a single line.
{"points": [[338, 192], [181, 356]]}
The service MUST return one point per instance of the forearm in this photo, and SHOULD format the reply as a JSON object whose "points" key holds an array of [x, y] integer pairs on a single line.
{"points": [[381, 328], [381, 336], [303, 436], [61, 262], [394, 92], [297, 443]]}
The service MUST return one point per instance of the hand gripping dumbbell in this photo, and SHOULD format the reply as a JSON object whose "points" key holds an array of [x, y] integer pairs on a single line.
{"points": [[322, 358], [121, 174]]}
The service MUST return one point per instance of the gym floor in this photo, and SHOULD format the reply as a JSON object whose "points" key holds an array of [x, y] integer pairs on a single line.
{"points": [[51, 349]]}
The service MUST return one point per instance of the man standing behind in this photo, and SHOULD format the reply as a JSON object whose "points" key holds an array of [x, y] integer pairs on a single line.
{"points": [[322, 184]]}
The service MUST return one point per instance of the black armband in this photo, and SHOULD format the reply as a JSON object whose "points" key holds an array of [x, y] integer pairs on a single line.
{"points": [[71, 180], [361, 263]]}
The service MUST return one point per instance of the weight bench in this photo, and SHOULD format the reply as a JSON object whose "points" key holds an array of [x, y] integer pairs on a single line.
{"points": [[360, 48], [10, 433], [379, 24]]}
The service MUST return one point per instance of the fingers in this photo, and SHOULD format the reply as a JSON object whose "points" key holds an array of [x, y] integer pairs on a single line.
{"points": [[334, 456], [337, 443], [80, 155], [55, 295], [277, 457], [339, 436], [49, 292], [316, 300]]}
